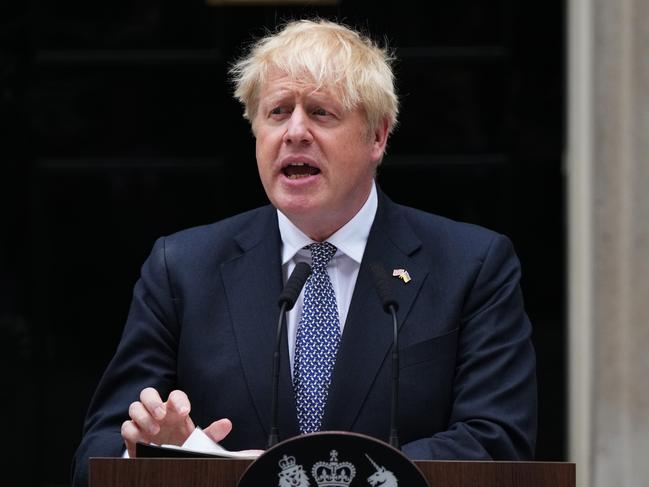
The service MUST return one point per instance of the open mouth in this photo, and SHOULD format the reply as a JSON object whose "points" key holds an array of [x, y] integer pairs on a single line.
{"points": [[300, 170]]}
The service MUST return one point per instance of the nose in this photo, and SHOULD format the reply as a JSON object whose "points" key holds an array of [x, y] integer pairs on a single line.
{"points": [[297, 127]]}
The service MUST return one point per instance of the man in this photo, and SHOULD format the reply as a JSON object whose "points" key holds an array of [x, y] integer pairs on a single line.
{"points": [[198, 342]]}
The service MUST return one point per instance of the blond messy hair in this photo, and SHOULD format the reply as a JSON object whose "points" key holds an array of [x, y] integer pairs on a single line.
{"points": [[326, 54]]}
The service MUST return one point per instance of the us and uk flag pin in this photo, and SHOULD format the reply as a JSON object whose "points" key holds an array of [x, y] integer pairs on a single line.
{"points": [[401, 274]]}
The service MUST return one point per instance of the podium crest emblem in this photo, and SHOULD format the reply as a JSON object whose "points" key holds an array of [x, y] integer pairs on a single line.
{"points": [[354, 460]]}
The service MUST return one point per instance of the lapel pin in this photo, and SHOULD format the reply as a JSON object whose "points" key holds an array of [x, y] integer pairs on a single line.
{"points": [[401, 274]]}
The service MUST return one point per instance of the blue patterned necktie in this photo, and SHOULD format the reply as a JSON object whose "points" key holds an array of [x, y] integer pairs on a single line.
{"points": [[316, 343]]}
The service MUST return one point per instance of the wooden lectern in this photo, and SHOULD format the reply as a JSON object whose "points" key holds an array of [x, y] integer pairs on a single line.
{"points": [[216, 472], [323, 458]]}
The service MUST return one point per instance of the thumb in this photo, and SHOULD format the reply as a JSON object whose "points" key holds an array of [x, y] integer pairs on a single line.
{"points": [[219, 429]]}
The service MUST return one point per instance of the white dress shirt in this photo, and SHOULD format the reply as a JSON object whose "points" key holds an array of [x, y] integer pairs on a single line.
{"points": [[343, 267]]}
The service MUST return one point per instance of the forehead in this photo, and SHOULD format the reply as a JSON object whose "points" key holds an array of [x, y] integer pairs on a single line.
{"points": [[279, 85]]}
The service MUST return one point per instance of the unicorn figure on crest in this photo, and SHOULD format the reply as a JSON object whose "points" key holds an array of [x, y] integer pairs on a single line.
{"points": [[382, 477]]}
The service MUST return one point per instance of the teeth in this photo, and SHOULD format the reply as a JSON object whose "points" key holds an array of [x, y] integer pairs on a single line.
{"points": [[299, 169]]}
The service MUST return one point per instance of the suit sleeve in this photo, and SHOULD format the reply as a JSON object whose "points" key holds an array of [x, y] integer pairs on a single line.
{"points": [[494, 411], [145, 357]]}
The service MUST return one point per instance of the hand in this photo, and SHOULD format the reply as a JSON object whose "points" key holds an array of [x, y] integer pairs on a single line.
{"points": [[155, 421]]}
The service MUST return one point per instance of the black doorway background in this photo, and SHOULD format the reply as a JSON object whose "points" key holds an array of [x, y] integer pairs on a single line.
{"points": [[117, 125]]}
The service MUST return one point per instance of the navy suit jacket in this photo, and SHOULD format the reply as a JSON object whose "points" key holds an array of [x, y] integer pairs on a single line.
{"points": [[204, 315]]}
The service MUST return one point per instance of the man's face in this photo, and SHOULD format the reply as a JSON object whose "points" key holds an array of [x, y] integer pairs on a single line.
{"points": [[316, 160]]}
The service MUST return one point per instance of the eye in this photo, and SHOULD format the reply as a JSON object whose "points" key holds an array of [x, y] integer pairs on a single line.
{"points": [[279, 111], [321, 112]]}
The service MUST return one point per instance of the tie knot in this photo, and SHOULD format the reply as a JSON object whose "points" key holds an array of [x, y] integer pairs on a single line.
{"points": [[321, 254]]}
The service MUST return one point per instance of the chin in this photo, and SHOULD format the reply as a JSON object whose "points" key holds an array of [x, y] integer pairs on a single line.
{"points": [[295, 200], [294, 210]]}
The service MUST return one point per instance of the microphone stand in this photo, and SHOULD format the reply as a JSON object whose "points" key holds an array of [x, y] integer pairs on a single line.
{"points": [[390, 305], [287, 299], [273, 436], [394, 436]]}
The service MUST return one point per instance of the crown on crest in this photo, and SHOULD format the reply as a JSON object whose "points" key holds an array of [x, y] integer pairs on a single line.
{"points": [[287, 463], [333, 473]]}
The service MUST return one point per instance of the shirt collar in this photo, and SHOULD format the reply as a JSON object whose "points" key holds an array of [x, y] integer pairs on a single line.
{"points": [[350, 239]]}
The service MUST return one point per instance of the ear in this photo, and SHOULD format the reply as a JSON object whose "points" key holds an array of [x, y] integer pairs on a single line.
{"points": [[380, 139]]}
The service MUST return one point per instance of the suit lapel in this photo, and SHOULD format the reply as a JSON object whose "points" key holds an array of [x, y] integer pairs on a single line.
{"points": [[367, 336], [253, 281]]}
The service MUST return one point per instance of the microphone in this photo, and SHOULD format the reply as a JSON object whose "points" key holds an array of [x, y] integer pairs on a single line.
{"points": [[286, 301], [390, 306]]}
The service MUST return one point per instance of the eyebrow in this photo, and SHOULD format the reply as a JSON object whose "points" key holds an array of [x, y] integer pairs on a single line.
{"points": [[280, 96], [275, 97]]}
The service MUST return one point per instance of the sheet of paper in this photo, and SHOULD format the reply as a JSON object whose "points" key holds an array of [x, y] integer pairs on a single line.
{"points": [[199, 442]]}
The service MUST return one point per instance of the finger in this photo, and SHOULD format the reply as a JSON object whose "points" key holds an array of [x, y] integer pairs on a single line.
{"points": [[141, 417], [153, 403], [189, 425], [186, 427], [178, 402], [219, 429], [131, 435]]}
